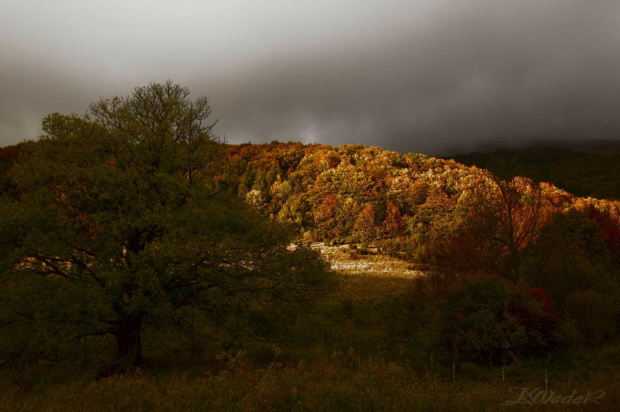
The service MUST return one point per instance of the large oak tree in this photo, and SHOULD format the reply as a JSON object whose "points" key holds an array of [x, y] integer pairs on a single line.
{"points": [[122, 220]]}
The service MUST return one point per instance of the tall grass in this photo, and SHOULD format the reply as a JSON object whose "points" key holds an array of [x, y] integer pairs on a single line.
{"points": [[359, 349], [335, 384]]}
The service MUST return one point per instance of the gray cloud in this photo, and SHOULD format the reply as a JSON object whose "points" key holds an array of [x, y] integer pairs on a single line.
{"points": [[423, 76]]}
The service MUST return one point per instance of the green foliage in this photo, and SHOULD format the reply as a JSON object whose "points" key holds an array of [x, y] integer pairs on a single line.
{"points": [[569, 256], [571, 260], [8, 156], [492, 321], [120, 223]]}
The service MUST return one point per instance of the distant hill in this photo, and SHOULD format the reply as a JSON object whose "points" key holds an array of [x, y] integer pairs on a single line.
{"points": [[409, 203], [587, 169], [405, 204]]}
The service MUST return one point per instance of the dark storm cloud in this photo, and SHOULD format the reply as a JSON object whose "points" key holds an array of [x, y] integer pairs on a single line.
{"points": [[33, 86], [430, 77], [481, 72]]}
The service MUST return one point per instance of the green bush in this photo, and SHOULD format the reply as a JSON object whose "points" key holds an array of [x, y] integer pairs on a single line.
{"points": [[593, 314], [490, 320]]}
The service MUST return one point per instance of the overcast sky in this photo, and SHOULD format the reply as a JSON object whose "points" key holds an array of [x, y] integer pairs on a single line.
{"points": [[430, 76]]}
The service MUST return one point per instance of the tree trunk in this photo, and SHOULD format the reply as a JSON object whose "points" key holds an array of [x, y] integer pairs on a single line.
{"points": [[129, 342]]}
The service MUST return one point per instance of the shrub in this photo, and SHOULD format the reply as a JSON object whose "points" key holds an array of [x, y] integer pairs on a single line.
{"points": [[593, 314], [488, 320]]}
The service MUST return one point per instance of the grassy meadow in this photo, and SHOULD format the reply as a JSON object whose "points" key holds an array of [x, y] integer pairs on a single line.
{"points": [[364, 347]]}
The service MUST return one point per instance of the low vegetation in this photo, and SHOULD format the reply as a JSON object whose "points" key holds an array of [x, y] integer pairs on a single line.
{"points": [[359, 348]]}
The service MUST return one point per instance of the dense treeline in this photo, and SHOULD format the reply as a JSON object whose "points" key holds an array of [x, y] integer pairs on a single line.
{"points": [[588, 171]]}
